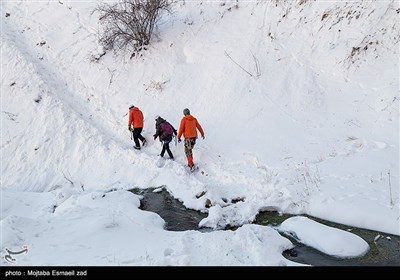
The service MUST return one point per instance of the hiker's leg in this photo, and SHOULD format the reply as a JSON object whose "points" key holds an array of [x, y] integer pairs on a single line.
{"points": [[135, 134], [171, 156], [188, 147], [163, 150], [188, 151], [140, 134]]}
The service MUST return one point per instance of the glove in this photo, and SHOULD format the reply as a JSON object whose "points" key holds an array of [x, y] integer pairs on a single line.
{"points": [[130, 128], [203, 137], [179, 140], [155, 137]]}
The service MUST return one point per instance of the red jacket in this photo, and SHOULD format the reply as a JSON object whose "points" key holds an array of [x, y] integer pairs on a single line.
{"points": [[135, 118], [188, 127]]}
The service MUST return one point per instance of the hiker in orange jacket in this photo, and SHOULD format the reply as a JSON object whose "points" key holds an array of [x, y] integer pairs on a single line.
{"points": [[135, 125], [188, 127]]}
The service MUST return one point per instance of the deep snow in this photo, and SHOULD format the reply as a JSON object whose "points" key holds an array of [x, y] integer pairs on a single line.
{"points": [[299, 101]]}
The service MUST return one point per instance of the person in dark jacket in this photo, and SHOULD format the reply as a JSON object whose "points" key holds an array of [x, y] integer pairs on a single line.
{"points": [[165, 132]]}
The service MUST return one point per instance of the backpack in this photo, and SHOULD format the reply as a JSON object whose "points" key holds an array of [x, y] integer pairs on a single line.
{"points": [[166, 129]]}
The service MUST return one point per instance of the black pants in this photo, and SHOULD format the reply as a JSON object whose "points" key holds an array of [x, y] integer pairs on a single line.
{"points": [[165, 147], [137, 135]]}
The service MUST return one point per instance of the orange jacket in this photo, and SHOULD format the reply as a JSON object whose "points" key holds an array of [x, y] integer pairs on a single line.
{"points": [[135, 118], [188, 127]]}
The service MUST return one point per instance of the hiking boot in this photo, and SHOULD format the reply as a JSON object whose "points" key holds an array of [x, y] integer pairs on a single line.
{"points": [[144, 142], [137, 148]]}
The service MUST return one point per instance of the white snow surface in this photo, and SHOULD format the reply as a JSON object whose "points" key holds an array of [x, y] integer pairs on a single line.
{"points": [[299, 101], [326, 239]]}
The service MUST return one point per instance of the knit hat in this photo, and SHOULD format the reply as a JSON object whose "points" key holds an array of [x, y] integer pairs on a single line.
{"points": [[186, 111]]}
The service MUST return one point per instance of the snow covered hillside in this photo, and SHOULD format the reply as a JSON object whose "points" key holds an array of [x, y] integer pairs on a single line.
{"points": [[299, 101]]}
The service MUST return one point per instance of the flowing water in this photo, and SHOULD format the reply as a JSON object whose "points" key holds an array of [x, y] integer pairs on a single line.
{"points": [[176, 216], [384, 248]]}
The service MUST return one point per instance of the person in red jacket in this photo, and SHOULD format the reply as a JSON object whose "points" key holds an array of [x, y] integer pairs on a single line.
{"points": [[188, 128], [135, 125]]}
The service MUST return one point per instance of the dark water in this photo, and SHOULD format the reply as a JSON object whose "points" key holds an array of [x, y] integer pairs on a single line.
{"points": [[176, 216], [384, 251]]}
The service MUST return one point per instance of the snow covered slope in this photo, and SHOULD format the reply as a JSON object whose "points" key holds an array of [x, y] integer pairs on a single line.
{"points": [[299, 101]]}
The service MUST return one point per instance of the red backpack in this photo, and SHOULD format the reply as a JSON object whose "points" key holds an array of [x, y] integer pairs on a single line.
{"points": [[166, 129]]}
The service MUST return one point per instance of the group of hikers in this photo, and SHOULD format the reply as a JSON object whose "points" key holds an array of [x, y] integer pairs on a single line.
{"points": [[165, 131]]}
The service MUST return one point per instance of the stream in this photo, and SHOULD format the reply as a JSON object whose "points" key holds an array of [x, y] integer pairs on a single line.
{"points": [[384, 248]]}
